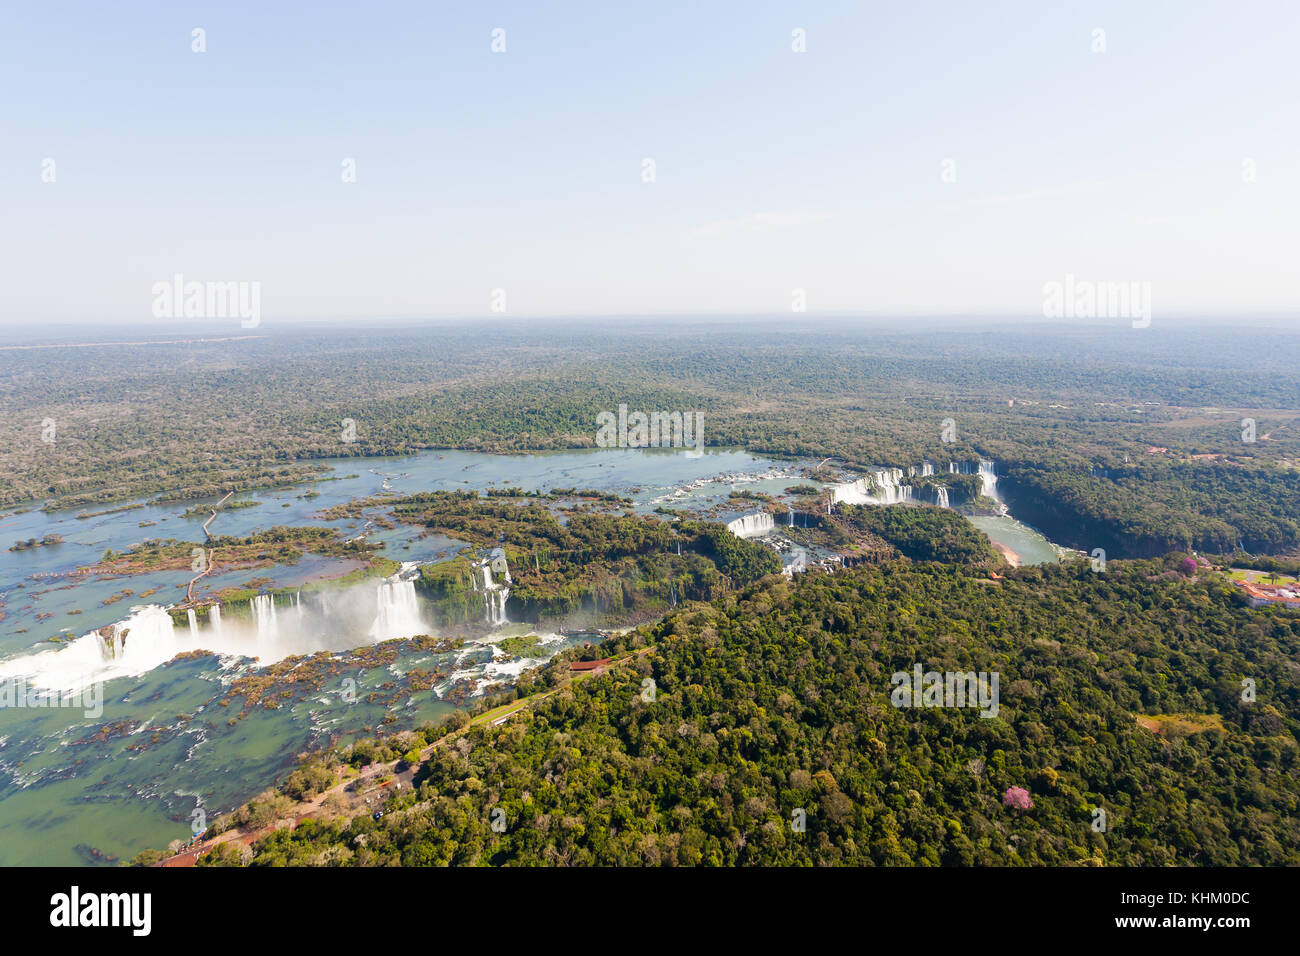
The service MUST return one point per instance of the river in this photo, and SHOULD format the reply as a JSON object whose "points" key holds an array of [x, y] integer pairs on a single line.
{"points": [[77, 788]]}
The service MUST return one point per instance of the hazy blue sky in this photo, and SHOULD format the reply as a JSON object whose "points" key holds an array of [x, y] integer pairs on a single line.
{"points": [[523, 170]]}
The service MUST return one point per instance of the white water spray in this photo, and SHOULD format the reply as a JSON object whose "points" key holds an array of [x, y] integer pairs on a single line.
{"points": [[748, 526], [884, 487], [268, 629], [149, 637], [494, 595], [398, 611]]}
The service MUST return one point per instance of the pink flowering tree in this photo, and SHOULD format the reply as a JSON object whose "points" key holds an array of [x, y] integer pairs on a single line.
{"points": [[1017, 798]]}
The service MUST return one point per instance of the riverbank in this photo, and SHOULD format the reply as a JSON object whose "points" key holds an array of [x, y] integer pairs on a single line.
{"points": [[1012, 537], [358, 792], [1011, 557]]}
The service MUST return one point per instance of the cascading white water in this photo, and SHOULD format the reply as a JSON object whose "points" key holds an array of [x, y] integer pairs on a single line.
{"points": [[746, 526], [884, 487], [941, 498], [927, 469], [139, 643], [111, 644], [791, 518], [149, 637], [494, 595], [892, 489], [398, 613], [494, 599], [268, 628], [497, 607], [852, 492], [145, 632], [988, 473]]}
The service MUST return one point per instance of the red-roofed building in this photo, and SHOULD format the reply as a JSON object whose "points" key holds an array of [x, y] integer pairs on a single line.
{"points": [[1261, 594]]}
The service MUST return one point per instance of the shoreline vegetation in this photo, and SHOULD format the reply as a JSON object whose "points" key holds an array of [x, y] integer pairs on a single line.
{"points": [[1151, 460], [279, 545], [48, 541], [1008, 555], [614, 564], [349, 781], [341, 793], [374, 802], [1121, 680]]}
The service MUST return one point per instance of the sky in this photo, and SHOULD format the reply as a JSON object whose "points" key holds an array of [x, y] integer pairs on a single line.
{"points": [[913, 158]]}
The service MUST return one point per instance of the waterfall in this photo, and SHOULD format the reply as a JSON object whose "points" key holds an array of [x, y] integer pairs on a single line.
{"points": [[150, 636], [952, 468], [145, 639], [893, 491], [852, 492], [397, 612], [297, 605], [927, 469], [494, 595], [989, 479], [110, 640], [140, 642], [497, 607], [264, 614], [146, 633], [942, 497], [747, 526], [791, 517], [884, 487]]}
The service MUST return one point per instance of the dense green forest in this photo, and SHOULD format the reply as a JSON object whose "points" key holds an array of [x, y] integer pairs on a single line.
{"points": [[1094, 429], [770, 737], [566, 558], [1153, 507], [922, 533]]}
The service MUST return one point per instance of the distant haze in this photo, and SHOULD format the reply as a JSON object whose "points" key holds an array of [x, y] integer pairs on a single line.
{"points": [[630, 160]]}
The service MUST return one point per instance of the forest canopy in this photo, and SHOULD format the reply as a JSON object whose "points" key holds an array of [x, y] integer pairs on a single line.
{"points": [[1120, 691]]}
